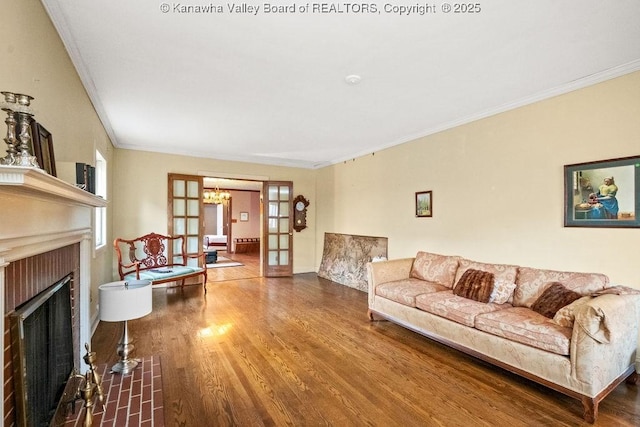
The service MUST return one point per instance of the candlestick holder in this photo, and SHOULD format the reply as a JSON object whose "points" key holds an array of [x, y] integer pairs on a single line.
{"points": [[20, 149], [25, 156], [10, 139]]}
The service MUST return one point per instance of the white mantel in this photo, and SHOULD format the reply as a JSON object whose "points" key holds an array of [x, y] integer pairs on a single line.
{"points": [[35, 182], [40, 213]]}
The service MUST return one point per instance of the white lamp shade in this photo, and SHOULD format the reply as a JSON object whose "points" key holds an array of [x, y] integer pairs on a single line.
{"points": [[119, 302]]}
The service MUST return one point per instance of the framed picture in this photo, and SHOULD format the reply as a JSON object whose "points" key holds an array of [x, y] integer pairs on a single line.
{"points": [[604, 193], [244, 216], [424, 204], [43, 148]]}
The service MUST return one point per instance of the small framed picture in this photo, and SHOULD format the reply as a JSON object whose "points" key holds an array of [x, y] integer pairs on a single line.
{"points": [[424, 204], [603, 193], [244, 216], [43, 148]]}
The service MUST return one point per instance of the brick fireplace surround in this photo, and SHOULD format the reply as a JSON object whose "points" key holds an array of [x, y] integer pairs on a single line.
{"points": [[45, 233]]}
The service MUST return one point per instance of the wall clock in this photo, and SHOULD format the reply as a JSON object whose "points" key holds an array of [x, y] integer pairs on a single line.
{"points": [[300, 213]]}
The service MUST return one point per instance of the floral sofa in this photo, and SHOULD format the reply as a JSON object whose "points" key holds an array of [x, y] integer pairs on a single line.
{"points": [[518, 318]]}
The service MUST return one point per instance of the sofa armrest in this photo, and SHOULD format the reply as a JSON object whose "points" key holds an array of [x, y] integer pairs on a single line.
{"points": [[605, 338], [387, 271]]}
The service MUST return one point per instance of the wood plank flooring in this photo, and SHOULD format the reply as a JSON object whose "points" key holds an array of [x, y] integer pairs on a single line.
{"points": [[249, 269], [300, 351]]}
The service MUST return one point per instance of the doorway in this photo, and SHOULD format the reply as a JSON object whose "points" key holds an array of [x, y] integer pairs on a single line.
{"points": [[236, 216]]}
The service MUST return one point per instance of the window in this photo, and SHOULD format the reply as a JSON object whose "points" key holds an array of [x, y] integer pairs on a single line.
{"points": [[100, 233]]}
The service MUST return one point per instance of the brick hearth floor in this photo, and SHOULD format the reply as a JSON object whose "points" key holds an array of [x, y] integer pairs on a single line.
{"points": [[131, 400]]}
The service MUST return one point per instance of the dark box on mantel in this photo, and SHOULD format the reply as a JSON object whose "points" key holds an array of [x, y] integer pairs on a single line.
{"points": [[86, 177]]}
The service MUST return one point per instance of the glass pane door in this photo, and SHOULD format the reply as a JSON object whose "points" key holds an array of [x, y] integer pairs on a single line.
{"points": [[278, 228], [185, 213]]}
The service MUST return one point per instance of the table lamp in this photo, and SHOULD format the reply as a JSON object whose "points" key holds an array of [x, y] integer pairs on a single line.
{"points": [[122, 301]]}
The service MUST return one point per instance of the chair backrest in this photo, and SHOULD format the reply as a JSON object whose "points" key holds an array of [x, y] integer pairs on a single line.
{"points": [[150, 251]]}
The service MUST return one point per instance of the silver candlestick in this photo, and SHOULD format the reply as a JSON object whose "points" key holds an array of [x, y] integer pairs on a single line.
{"points": [[25, 157], [10, 139], [20, 149]]}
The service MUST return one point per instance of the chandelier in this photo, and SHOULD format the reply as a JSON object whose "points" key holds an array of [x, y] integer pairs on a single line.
{"points": [[216, 196]]}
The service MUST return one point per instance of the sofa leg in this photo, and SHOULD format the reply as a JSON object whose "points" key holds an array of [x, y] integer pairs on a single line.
{"points": [[372, 316], [633, 378], [590, 406]]}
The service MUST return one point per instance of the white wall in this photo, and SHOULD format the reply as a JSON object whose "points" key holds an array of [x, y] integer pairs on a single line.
{"points": [[497, 185]]}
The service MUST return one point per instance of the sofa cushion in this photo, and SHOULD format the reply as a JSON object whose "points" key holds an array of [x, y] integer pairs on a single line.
{"points": [[500, 271], [533, 281], [405, 291], [435, 268], [475, 284], [525, 326], [554, 297], [455, 308]]}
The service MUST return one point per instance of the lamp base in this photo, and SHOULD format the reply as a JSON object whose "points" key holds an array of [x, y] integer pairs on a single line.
{"points": [[125, 349], [124, 366]]}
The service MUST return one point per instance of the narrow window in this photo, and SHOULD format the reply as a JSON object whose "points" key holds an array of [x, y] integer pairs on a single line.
{"points": [[101, 191]]}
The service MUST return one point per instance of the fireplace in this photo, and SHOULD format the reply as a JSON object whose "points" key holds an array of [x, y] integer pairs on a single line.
{"points": [[42, 352], [45, 236], [27, 283]]}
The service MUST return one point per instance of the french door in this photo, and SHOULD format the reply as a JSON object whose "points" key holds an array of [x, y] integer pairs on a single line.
{"points": [[185, 213], [278, 228], [185, 217]]}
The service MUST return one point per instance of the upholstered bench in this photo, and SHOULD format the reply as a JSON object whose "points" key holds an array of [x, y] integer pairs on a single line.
{"points": [[160, 259]]}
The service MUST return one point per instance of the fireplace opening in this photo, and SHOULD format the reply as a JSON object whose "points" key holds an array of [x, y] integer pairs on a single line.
{"points": [[42, 346]]}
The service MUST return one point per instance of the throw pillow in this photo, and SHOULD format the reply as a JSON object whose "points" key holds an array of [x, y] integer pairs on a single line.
{"points": [[502, 292], [554, 297], [567, 314], [475, 284]]}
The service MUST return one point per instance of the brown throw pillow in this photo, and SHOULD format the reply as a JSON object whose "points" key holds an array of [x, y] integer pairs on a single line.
{"points": [[553, 299], [475, 284]]}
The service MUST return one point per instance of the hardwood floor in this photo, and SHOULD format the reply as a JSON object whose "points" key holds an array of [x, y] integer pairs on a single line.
{"points": [[249, 269], [300, 351]]}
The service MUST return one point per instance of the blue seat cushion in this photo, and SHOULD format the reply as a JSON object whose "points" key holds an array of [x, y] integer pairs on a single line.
{"points": [[164, 273]]}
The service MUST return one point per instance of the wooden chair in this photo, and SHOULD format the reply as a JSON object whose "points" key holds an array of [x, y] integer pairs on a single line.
{"points": [[159, 259]]}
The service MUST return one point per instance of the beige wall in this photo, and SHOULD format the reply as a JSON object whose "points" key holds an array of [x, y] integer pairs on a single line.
{"points": [[35, 62], [497, 186], [249, 202], [140, 196]]}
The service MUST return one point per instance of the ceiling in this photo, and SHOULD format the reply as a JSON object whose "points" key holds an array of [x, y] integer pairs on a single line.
{"points": [[270, 87]]}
